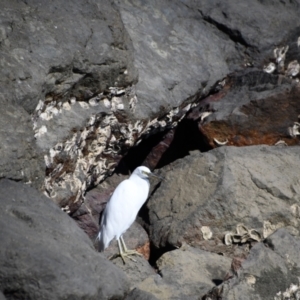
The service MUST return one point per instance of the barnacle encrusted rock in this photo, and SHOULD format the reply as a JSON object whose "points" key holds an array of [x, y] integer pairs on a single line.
{"points": [[293, 292], [102, 129], [242, 235], [273, 263]]}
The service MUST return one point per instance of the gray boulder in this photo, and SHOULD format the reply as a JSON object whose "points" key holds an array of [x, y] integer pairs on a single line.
{"points": [[186, 273], [206, 195], [44, 255], [182, 48]]}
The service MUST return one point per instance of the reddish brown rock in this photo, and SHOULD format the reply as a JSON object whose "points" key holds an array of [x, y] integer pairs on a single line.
{"points": [[253, 108], [158, 151]]}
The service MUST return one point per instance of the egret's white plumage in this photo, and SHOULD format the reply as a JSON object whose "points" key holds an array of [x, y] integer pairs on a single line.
{"points": [[122, 209]]}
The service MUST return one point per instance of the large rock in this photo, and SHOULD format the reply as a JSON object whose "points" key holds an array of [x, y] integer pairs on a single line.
{"points": [[186, 273], [61, 48], [136, 268], [44, 255], [176, 53], [206, 195], [271, 271], [182, 48]]}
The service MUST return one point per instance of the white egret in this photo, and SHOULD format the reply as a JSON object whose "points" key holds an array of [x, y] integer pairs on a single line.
{"points": [[122, 209]]}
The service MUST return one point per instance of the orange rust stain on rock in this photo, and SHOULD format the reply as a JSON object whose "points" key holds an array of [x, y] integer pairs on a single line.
{"points": [[144, 250], [237, 137]]}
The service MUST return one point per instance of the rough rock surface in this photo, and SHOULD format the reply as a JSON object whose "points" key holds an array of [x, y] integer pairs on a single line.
{"points": [[61, 48], [96, 90], [137, 294], [20, 159], [257, 186], [183, 47], [2, 297], [186, 273], [137, 269], [267, 273], [161, 33], [44, 255]]}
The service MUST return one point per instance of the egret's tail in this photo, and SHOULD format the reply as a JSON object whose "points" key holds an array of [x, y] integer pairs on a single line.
{"points": [[100, 239]]}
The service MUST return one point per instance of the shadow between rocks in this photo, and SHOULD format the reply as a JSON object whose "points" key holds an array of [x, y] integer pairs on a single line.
{"points": [[187, 137]]}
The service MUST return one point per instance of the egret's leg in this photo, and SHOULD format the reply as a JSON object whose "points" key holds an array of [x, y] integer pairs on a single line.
{"points": [[128, 252], [124, 251], [121, 251]]}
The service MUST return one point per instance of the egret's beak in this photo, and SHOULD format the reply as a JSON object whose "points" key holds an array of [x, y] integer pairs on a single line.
{"points": [[153, 175]]}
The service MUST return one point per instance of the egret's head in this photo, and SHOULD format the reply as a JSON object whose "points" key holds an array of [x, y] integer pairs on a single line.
{"points": [[144, 172]]}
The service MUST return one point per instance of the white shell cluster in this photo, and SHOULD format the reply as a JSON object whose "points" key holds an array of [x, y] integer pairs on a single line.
{"points": [[295, 209], [241, 236], [279, 54], [280, 143], [293, 292], [294, 130], [270, 68], [269, 228], [206, 232], [219, 143], [90, 154], [293, 67]]}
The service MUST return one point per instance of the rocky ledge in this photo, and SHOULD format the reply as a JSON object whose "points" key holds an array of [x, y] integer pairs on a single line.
{"points": [[205, 93]]}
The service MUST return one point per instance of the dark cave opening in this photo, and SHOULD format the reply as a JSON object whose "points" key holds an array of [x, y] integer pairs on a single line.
{"points": [[187, 137], [137, 154]]}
